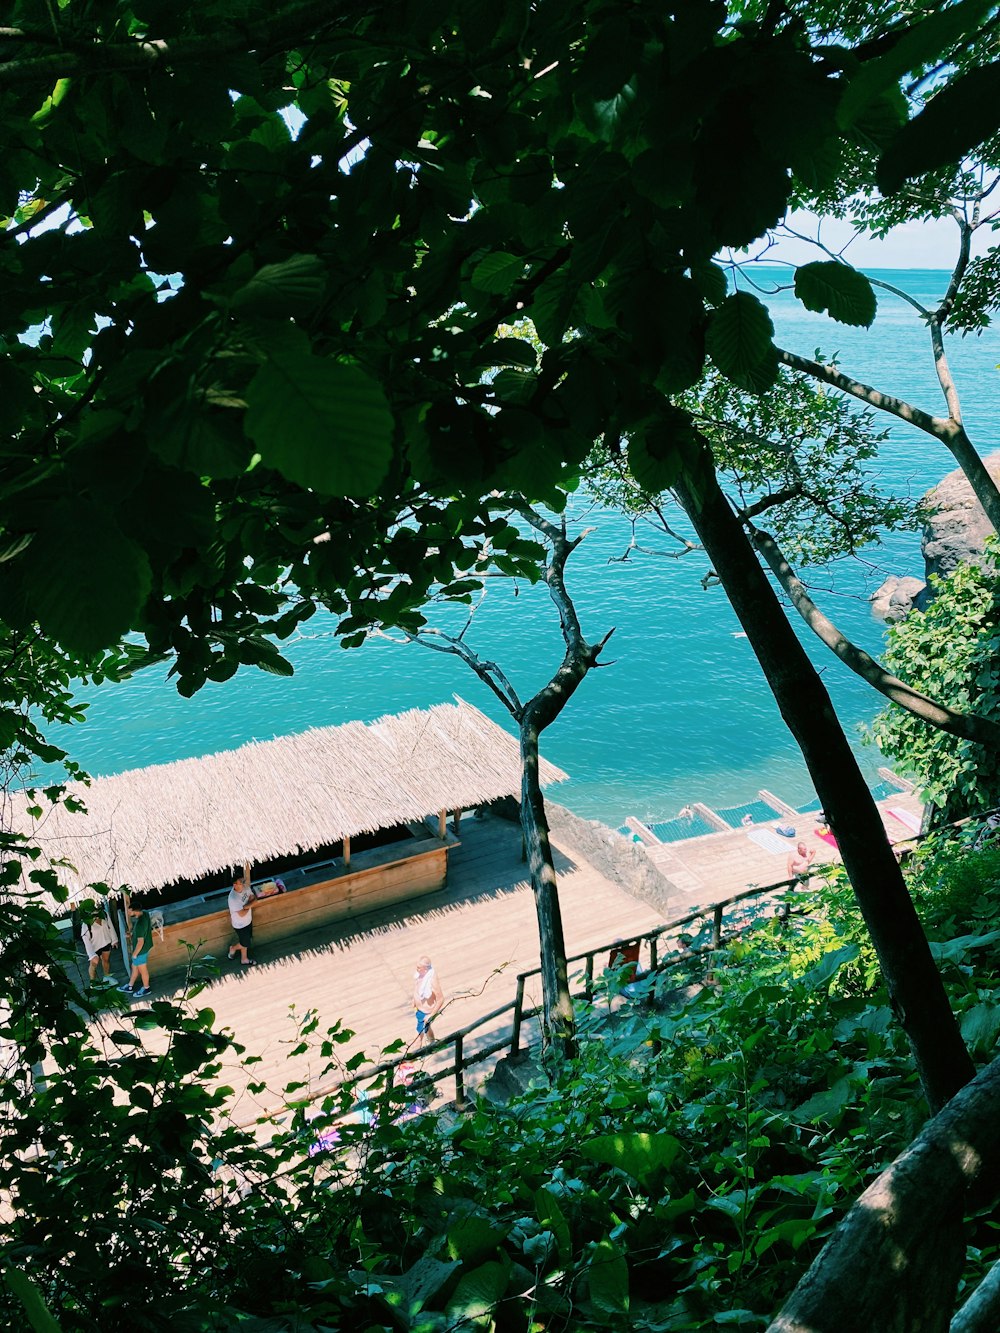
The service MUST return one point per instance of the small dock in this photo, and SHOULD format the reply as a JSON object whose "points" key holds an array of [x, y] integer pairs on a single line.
{"points": [[726, 855]]}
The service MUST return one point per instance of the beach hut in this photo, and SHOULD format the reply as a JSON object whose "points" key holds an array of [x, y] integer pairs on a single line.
{"points": [[350, 818]]}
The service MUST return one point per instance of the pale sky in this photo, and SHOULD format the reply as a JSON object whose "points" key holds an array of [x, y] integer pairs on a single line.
{"points": [[913, 245]]}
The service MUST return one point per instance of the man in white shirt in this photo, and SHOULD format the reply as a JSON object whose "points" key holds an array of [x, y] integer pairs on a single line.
{"points": [[241, 895]]}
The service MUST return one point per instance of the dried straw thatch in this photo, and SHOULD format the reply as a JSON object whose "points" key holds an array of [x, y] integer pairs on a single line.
{"points": [[182, 821]]}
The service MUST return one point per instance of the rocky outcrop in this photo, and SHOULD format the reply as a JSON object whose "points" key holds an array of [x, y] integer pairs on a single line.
{"points": [[955, 532], [897, 596], [956, 528], [624, 863]]}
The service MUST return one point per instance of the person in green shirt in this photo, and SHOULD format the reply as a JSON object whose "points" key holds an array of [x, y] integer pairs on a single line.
{"points": [[142, 941]]}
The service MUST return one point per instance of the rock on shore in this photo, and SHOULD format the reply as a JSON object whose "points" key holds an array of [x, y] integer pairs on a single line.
{"points": [[955, 531]]}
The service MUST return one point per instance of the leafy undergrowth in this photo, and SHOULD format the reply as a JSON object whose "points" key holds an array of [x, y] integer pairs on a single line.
{"points": [[682, 1174]]}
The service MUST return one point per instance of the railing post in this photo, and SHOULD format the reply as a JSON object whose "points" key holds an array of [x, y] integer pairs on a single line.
{"points": [[652, 954], [717, 926], [588, 977], [515, 1033], [459, 1073]]}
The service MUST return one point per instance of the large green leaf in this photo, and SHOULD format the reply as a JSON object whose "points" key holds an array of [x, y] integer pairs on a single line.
{"points": [[829, 965], [607, 1278], [660, 453], [922, 44], [981, 1026], [843, 292], [954, 123], [478, 1293], [292, 287], [497, 273], [323, 424], [638, 1154], [85, 580], [27, 1292], [739, 338]]}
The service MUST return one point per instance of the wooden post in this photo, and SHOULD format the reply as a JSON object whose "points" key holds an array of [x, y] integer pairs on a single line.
{"points": [[652, 954], [588, 978], [456, 819], [347, 852], [442, 824], [459, 1073], [717, 926], [515, 1033]]}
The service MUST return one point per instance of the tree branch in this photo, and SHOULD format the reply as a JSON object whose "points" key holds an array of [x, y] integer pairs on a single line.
{"points": [[939, 427], [969, 726]]}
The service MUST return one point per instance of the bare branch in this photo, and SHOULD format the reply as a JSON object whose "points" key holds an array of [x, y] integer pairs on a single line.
{"points": [[970, 726]]}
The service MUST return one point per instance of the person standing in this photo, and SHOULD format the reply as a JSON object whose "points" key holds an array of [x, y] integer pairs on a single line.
{"points": [[800, 861], [99, 939], [241, 896], [428, 997], [142, 942]]}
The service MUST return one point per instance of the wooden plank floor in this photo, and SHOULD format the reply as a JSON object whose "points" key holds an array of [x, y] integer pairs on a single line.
{"points": [[718, 865], [480, 932]]}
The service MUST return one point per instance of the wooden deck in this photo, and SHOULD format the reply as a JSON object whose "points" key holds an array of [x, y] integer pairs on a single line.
{"points": [[480, 932], [717, 865]]}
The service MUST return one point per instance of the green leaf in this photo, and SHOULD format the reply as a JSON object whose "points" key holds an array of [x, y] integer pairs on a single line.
{"points": [[739, 338], [607, 1278], [953, 951], [829, 965], [639, 1154], [660, 454], [920, 45], [508, 352], [711, 282], [478, 1293], [952, 124], [473, 1237], [498, 273], [321, 423], [30, 1296], [111, 577], [981, 1026], [845, 293], [553, 1219], [827, 1105], [293, 287]]}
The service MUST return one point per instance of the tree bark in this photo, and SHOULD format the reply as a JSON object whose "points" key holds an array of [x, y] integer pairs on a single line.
{"points": [[970, 726], [559, 1025], [894, 1262], [914, 985]]}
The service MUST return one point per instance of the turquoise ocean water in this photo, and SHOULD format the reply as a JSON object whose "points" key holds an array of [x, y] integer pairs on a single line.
{"points": [[681, 712]]}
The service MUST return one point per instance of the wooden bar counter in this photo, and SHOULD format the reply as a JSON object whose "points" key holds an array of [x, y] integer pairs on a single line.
{"points": [[374, 879]]}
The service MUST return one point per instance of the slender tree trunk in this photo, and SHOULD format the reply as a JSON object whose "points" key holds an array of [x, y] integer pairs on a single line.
{"points": [[559, 1027], [914, 985]]}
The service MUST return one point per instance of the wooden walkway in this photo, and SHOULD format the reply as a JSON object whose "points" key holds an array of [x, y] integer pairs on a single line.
{"points": [[480, 932]]}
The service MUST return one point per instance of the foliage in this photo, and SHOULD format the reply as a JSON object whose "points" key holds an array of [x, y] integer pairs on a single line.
{"points": [[685, 1169], [797, 443], [949, 650], [252, 288]]}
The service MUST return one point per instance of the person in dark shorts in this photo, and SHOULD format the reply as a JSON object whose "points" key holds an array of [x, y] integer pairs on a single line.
{"points": [[142, 942], [99, 939], [241, 896]]}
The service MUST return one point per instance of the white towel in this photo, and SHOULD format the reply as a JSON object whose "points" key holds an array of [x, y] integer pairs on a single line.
{"points": [[425, 984], [906, 817], [768, 839]]}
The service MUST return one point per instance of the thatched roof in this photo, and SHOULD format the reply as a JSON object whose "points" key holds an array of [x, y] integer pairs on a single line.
{"points": [[183, 821]]}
